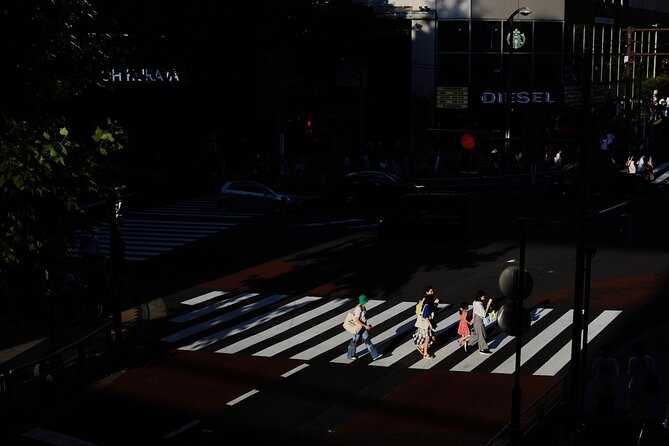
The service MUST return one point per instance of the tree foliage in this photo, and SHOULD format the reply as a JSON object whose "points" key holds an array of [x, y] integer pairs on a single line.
{"points": [[51, 55]]}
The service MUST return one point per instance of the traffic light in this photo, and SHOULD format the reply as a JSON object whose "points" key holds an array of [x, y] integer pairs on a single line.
{"points": [[309, 126], [468, 141]]}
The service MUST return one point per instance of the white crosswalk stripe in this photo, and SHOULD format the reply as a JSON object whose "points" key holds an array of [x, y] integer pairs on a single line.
{"points": [[226, 322], [333, 322], [474, 360], [562, 357], [409, 347], [532, 348], [169, 227], [243, 326]]}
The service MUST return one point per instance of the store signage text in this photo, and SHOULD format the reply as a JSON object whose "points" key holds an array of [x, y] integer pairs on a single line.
{"points": [[519, 97], [140, 75]]}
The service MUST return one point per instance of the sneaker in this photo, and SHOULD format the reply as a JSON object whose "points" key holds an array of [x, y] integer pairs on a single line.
{"points": [[485, 352], [351, 359], [380, 355]]}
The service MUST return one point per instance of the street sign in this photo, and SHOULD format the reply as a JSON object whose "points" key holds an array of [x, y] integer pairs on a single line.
{"points": [[453, 97]]}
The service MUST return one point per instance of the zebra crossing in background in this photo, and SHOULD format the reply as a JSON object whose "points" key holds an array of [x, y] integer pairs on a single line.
{"points": [[155, 231], [661, 173], [309, 328]]}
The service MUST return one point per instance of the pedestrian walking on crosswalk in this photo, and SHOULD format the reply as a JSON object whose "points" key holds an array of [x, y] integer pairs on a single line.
{"points": [[360, 313], [479, 312]]}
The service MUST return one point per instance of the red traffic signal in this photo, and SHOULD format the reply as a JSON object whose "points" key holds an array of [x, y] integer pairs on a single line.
{"points": [[468, 141]]}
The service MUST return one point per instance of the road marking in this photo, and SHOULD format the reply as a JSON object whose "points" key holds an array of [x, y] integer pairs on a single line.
{"points": [[242, 398], [179, 335], [345, 336], [276, 330], [537, 343], [54, 438], [183, 428], [203, 298], [295, 370], [309, 333], [213, 307], [475, 359], [243, 326], [562, 357], [379, 338], [409, 347]]}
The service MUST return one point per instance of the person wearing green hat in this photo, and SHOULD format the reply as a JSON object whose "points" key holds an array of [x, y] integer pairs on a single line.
{"points": [[360, 313]]}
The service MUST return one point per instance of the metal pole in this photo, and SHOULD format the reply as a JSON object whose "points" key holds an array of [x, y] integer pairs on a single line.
{"points": [[113, 258], [589, 253], [507, 136], [517, 322]]}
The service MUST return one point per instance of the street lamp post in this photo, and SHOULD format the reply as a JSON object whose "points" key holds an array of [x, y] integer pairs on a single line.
{"points": [[510, 42], [523, 223]]}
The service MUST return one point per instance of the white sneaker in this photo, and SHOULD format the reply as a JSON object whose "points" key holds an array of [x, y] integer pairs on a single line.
{"points": [[380, 355]]}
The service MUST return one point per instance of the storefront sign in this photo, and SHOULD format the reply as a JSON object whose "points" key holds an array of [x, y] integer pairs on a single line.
{"points": [[518, 97], [149, 75]]}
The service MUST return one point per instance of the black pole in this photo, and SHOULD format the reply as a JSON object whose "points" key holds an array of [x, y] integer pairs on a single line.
{"points": [[589, 253], [517, 322], [582, 135], [113, 258]]}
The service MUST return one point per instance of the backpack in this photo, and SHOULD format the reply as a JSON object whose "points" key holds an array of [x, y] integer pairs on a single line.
{"points": [[419, 307]]}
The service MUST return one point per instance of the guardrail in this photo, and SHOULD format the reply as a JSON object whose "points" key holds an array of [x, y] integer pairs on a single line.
{"points": [[538, 411], [483, 184], [29, 385]]}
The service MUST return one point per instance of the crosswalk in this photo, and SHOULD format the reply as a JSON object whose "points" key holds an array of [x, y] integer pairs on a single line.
{"points": [[152, 232], [308, 328]]}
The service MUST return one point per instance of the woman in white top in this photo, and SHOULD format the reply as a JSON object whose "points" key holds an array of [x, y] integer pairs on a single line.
{"points": [[639, 369]]}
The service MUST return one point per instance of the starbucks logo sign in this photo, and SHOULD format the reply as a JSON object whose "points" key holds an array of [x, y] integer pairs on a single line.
{"points": [[516, 39]]}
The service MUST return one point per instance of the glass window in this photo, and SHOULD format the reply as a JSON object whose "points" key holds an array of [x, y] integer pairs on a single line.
{"points": [[547, 37], [547, 68], [520, 69], [452, 69], [453, 36], [487, 69], [487, 37]]}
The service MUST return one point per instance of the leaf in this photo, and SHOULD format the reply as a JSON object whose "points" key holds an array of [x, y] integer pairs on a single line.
{"points": [[63, 131]]}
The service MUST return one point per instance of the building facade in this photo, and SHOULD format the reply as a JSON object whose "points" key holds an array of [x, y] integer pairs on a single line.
{"points": [[505, 73]]}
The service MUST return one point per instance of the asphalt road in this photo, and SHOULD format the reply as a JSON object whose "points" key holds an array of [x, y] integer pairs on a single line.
{"points": [[174, 395]]}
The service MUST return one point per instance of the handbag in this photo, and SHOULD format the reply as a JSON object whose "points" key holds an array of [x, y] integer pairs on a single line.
{"points": [[490, 318], [350, 324], [421, 322]]}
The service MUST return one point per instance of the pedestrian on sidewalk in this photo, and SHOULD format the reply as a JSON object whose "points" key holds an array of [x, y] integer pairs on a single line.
{"points": [[641, 370], [480, 308], [360, 313], [605, 371]]}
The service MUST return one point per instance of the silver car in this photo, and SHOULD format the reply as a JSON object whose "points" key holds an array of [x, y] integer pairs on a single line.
{"points": [[252, 195]]}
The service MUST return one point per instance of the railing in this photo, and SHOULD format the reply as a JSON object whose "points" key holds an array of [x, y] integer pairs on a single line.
{"points": [[485, 184], [534, 414], [35, 382]]}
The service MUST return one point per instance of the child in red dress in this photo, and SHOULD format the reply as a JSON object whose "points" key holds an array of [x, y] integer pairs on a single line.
{"points": [[463, 327]]}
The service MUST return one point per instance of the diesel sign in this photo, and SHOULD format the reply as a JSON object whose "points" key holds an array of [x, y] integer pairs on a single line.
{"points": [[519, 97]]}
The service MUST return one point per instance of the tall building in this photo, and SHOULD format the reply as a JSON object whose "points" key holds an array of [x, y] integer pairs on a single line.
{"points": [[507, 69]]}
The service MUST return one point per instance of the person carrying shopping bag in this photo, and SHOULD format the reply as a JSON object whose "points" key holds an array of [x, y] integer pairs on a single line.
{"points": [[360, 316]]}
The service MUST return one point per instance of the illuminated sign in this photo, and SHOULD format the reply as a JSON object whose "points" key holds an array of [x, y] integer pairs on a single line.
{"points": [[141, 75], [519, 97], [518, 39]]}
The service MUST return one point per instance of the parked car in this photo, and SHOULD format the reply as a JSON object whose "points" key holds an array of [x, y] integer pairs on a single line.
{"points": [[252, 195], [375, 187], [425, 213]]}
